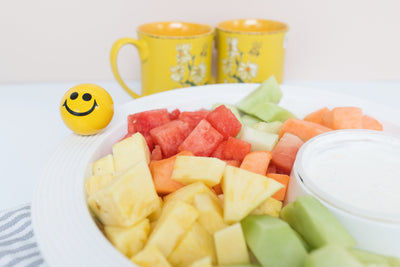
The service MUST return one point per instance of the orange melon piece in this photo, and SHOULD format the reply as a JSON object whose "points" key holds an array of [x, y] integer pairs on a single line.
{"points": [[317, 116], [370, 123], [257, 161], [161, 170], [343, 118], [285, 151], [283, 179], [305, 130]]}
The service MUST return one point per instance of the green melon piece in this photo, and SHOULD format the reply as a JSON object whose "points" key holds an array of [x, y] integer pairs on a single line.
{"points": [[273, 242], [259, 140], [331, 256], [249, 120], [373, 259], [315, 223], [268, 91], [269, 127], [240, 265], [270, 112]]}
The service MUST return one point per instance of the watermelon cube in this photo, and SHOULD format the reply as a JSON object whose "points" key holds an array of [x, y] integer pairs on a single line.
{"points": [[203, 140], [219, 151], [285, 151], [174, 115], [236, 149], [223, 119], [193, 117], [169, 136], [144, 121]]}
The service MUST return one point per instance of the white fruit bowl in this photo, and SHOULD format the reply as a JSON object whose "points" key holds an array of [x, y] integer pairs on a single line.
{"points": [[354, 173], [64, 229]]}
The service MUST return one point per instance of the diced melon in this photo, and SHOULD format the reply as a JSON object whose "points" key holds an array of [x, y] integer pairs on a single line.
{"points": [[367, 122], [174, 223], [331, 256], [373, 259], [270, 206], [224, 121], [150, 256], [193, 117], [317, 116], [270, 112], [269, 127], [144, 121], [236, 149], [257, 162], [232, 108], [210, 212], [259, 140], [285, 151], [127, 199], [249, 120], [128, 152], [284, 180], [244, 191], [343, 118], [230, 246], [188, 169], [196, 244], [305, 130], [128, 240]]}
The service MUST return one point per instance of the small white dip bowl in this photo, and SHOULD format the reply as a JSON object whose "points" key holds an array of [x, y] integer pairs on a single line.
{"points": [[356, 175]]}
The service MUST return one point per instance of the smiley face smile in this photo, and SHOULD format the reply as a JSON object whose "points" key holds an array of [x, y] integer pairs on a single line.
{"points": [[80, 113]]}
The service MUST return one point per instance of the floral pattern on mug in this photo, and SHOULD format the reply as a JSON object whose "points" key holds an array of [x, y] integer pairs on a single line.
{"points": [[186, 72], [233, 65]]}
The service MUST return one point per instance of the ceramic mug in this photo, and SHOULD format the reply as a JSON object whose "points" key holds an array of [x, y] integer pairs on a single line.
{"points": [[173, 55], [250, 50]]}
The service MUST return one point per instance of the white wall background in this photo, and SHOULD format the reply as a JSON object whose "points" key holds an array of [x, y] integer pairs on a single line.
{"points": [[51, 40]]}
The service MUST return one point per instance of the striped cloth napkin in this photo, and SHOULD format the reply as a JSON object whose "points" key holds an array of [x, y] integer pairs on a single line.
{"points": [[18, 246]]}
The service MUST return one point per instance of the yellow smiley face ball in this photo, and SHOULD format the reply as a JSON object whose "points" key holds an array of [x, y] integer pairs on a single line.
{"points": [[86, 109]]}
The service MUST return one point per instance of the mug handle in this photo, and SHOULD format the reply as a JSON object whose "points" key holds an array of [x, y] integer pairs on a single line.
{"points": [[143, 53]]}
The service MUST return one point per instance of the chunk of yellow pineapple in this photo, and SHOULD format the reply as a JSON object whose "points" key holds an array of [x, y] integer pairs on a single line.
{"points": [[96, 182], [150, 256], [155, 215], [128, 240], [196, 244], [127, 199], [244, 191], [103, 166], [172, 225], [130, 151], [210, 213], [189, 170], [204, 262], [230, 246], [270, 206]]}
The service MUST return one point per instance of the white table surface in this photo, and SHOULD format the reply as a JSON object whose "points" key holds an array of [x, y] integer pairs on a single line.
{"points": [[31, 127]]}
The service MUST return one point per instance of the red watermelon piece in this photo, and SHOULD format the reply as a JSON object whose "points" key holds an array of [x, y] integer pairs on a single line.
{"points": [[174, 115], [193, 117], [144, 121], [224, 121], [219, 151], [169, 136], [236, 149], [285, 151], [203, 140]]}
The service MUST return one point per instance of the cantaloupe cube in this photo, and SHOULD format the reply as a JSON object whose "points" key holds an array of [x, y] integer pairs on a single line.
{"points": [[189, 170], [128, 240], [305, 130], [230, 246], [150, 256], [196, 244], [370, 123], [317, 116], [343, 118]]}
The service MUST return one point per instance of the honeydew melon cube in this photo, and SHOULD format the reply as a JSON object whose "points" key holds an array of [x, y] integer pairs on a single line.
{"points": [[150, 256], [259, 140], [244, 191], [373, 259], [188, 169], [331, 256], [128, 152], [268, 127], [196, 244], [128, 240], [174, 223], [270, 112], [273, 242], [210, 213], [315, 223], [249, 120], [230, 245], [127, 199]]}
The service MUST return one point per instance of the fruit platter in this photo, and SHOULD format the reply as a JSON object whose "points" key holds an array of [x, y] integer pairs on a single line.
{"points": [[199, 177]]}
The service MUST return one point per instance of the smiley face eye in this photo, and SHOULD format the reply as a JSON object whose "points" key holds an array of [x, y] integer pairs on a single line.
{"points": [[73, 96], [87, 97]]}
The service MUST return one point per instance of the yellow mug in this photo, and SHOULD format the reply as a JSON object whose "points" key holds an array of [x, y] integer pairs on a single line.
{"points": [[250, 50], [173, 55]]}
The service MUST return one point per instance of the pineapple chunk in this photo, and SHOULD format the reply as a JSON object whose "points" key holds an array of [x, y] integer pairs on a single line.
{"points": [[210, 213], [187, 193], [155, 215], [230, 246], [189, 170], [150, 256], [97, 182], [130, 151], [195, 245], [103, 166], [244, 191], [127, 199], [173, 224], [128, 240], [271, 206], [204, 262]]}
